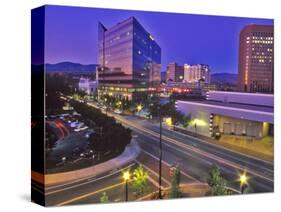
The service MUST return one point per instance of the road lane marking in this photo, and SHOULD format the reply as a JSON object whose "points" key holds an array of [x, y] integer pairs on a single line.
{"points": [[90, 194], [198, 151], [87, 181], [176, 148], [155, 183], [153, 172], [166, 163], [222, 147]]}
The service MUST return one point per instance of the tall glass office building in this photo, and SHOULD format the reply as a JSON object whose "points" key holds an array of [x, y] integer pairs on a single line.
{"points": [[129, 59]]}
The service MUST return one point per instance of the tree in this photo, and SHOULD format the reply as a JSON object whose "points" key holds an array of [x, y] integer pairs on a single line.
{"points": [[217, 182], [109, 135], [104, 198], [175, 189], [186, 121], [167, 110], [140, 181]]}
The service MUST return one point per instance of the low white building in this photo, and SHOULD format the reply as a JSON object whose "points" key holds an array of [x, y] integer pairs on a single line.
{"points": [[243, 114], [88, 86]]}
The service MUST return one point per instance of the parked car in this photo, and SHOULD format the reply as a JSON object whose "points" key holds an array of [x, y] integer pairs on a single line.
{"points": [[80, 129], [117, 111]]}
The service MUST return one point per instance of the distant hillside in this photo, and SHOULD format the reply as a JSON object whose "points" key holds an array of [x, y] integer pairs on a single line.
{"points": [[224, 78], [70, 67]]}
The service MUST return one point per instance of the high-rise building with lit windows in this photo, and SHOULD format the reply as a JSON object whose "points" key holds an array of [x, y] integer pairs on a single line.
{"points": [[129, 59], [175, 72], [197, 72], [256, 59]]}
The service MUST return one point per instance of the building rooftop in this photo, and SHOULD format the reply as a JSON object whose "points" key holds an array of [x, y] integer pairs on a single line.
{"points": [[255, 107], [234, 106]]}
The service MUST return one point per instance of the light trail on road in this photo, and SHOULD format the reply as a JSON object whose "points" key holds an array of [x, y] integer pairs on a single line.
{"points": [[193, 149]]}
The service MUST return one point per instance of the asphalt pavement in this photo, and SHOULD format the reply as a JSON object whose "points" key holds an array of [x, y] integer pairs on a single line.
{"points": [[194, 156]]}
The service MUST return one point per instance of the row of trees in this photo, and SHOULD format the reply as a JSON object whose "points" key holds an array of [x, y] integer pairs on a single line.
{"points": [[123, 103], [109, 135], [55, 83], [215, 180]]}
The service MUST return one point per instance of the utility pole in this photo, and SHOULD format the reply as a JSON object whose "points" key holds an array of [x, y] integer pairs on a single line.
{"points": [[160, 155]]}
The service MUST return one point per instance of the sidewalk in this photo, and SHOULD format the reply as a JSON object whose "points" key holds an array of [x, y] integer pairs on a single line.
{"points": [[130, 153], [188, 190], [261, 149]]}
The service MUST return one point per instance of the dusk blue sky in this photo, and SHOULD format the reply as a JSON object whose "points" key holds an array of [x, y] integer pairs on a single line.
{"points": [[71, 35]]}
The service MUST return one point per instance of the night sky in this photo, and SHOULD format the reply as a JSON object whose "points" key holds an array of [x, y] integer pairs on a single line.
{"points": [[71, 35]]}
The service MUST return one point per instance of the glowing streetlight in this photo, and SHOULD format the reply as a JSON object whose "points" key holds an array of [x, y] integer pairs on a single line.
{"points": [[243, 182], [169, 121], [126, 177], [243, 179], [139, 108]]}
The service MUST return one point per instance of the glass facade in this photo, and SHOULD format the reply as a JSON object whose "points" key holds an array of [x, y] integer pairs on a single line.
{"points": [[128, 55]]}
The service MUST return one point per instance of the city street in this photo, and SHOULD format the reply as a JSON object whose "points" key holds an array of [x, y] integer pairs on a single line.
{"points": [[131, 111], [196, 157], [90, 190]]}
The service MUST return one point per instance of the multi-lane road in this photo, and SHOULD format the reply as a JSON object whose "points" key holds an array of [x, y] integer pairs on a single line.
{"points": [[194, 156]]}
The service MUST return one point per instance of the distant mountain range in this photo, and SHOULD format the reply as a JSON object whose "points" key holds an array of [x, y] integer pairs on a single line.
{"points": [[70, 67], [224, 78]]}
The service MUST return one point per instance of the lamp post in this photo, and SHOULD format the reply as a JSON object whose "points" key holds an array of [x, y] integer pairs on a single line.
{"points": [[161, 103], [160, 155], [126, 177], [243, 182]]}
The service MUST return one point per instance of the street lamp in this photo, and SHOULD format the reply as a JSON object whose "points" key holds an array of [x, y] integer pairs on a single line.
{"points": [[243, 182], [169, 121], [160, 155], [160, 146], [139, 108], [126, 177]]}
